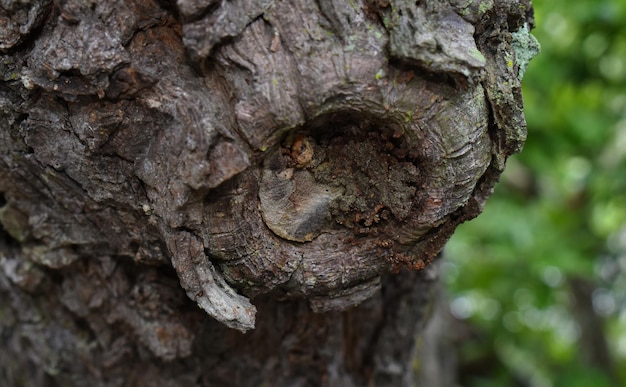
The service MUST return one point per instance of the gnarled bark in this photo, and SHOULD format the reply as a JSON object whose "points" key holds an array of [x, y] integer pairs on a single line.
{"points": [[281, 156]]}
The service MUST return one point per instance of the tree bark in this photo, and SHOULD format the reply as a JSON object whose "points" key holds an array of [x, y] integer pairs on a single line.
{"points": [[173, 174]]}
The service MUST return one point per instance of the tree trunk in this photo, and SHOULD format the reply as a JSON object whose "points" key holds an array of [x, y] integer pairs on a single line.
{"points": [[173, 174]]}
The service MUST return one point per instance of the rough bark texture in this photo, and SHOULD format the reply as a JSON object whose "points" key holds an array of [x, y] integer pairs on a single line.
{"points": [[274, 156]]}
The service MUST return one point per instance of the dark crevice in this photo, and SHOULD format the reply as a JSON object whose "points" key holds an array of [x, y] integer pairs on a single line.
{"points": [[27, 41], [202, 13], [169, 6], [425, 72], [496, 135], [71, 73], [6, 240], [21, 118], [83, 325], [188, 230]]}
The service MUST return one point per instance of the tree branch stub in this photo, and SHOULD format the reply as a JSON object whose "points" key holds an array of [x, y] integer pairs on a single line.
{"points": [[293, 149]]}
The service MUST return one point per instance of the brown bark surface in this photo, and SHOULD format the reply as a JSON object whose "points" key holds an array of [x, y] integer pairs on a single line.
{"points": [[173, 173]]}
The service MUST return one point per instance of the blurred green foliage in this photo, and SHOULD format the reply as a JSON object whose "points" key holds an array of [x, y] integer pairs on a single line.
{"points": [[554, 233]]}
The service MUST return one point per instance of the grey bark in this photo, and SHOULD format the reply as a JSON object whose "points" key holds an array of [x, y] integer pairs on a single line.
{"points": [[173, 173]]}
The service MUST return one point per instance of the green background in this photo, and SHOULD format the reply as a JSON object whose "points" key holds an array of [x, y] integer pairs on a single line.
{"points": [[538, 281]]}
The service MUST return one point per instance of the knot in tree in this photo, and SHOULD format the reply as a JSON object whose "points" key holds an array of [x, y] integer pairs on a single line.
{"points": [[292, 153]]}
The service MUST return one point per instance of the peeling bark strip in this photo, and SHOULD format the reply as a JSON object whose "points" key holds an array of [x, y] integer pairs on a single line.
{"points": [[293, 149]]}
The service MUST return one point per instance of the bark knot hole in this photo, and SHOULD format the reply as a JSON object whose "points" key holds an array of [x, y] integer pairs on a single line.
{"points": [[340, 171]]}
